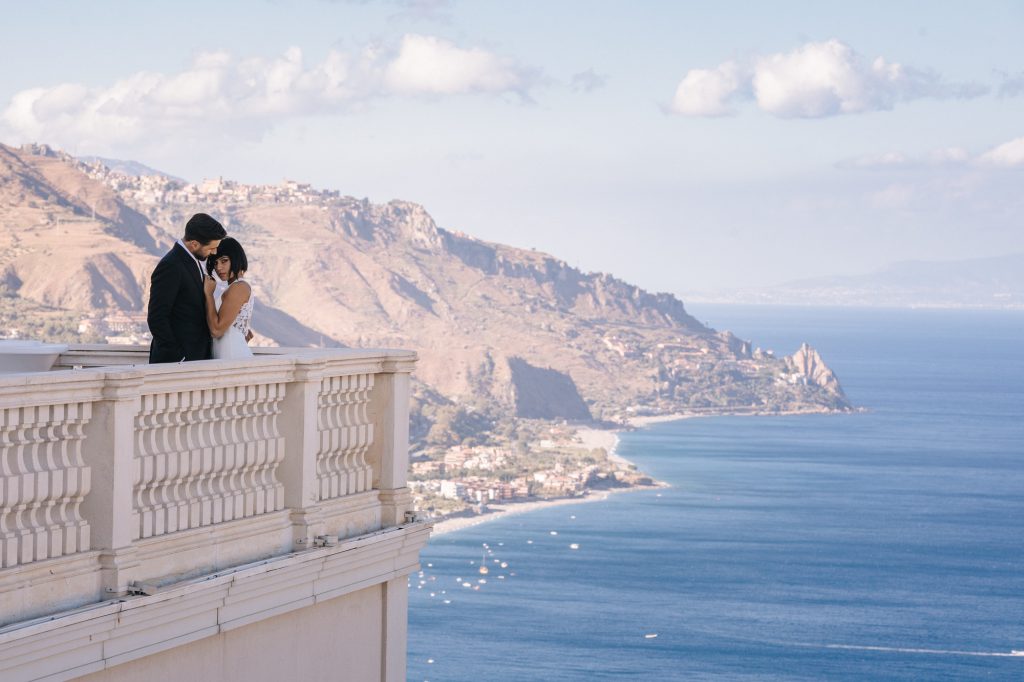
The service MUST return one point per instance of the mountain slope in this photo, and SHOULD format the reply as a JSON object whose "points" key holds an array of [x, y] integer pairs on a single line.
{"points": [[66, 240], [500, 331]]}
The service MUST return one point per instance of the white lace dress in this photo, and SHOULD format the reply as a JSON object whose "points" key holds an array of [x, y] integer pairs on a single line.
{"points": [[233, 345]]}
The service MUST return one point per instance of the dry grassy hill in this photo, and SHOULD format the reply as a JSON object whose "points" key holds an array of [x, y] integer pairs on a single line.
{"points": [[500, 330]]}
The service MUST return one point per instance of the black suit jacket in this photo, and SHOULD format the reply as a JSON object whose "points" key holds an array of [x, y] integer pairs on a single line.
{"points": [[177, 310]]}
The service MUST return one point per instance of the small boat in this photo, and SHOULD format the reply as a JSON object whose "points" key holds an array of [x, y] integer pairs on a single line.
{"points": [[651, 635]]}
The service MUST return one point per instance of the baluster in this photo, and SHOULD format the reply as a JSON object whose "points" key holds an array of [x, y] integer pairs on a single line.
{"points": [[210, 456], [43, 480]]}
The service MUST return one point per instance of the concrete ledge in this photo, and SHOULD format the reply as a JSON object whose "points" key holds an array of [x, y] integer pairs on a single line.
{"points": [[200, 551], [93, 638], [43, 587]]}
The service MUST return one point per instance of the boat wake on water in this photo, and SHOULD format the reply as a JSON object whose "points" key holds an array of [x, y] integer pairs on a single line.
{"points": [[909, 650], [1013, 653]]}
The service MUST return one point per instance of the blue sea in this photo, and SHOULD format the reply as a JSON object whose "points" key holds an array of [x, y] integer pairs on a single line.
{"points": [[884, 545]]}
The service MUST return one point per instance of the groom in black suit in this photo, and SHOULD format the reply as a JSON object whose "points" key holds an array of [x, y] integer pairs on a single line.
{"points": [[177, 304]]}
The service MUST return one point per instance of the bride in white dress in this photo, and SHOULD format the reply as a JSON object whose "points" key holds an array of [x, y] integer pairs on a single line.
{"points": [[229, 302]]}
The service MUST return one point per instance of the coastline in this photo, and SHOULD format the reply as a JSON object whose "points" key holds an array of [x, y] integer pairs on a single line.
{"points": [[647, 420], [588, 438], [499, 511], [593, 439]]}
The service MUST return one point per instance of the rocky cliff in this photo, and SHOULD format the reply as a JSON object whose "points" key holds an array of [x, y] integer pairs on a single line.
{"points": [[499, 330]]}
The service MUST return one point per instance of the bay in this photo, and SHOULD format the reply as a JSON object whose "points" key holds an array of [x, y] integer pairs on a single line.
{"points": [[887, 544]]}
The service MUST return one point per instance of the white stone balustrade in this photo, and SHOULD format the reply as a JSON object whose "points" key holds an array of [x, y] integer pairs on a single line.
{"points": [[115, 473], [346, 433], [43, 477], [206, 456]]}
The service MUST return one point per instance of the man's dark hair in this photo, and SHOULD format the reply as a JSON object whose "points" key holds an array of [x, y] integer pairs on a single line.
{"points": [[203, 229], [236, 254]]}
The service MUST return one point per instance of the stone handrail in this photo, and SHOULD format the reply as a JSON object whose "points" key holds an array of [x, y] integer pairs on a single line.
{"points": [[115, 473]]}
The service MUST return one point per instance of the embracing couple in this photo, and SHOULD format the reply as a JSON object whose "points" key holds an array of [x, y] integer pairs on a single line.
{"points": [[200, 307]]}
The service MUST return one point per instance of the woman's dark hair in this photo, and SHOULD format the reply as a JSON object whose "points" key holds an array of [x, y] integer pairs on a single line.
{"points": [[203, 229], [233, 250]]}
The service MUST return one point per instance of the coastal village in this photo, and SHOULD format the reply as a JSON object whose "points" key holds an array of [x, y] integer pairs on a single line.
{"points": [[561, 462]]}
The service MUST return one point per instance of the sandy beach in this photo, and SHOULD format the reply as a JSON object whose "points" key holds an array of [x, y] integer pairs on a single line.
{"points": [[640, 422], [497, 511], [603, 438], [589, 438]]}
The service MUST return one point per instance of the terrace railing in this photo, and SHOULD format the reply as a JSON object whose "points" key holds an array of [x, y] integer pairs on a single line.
{"points": [[117, 475]]}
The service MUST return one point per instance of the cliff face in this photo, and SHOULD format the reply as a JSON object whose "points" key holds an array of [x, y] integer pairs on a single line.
{"points": [[503, 329], [807, 364]]}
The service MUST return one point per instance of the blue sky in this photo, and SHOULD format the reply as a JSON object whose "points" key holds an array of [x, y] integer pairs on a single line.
{"points": [[683, 146]]}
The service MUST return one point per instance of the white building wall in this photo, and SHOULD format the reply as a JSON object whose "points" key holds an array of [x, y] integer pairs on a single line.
{"points": [[338, 640]]}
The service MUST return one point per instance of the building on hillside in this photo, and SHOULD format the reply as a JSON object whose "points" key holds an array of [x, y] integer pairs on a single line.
{"points": [[453, 490], [455, 458], [220, 520], [428, 468]]}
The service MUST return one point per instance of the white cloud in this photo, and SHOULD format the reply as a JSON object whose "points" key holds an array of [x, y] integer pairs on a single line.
{"points": [[220, 92], [1007, 155], [948, 156], [815, 80], [430, 65], [708, 92]]}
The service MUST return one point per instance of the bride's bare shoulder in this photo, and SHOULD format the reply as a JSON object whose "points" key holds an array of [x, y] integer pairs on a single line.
{"points": [[239, 288]]}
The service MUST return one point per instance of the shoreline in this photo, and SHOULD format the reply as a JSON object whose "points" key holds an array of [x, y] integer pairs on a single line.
{"points": [[588, 438], [595, 438], [500, 511], [647, 420]]}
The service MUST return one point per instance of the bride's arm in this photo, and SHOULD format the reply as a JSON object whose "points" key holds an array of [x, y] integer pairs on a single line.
{"points": [[232, 301]]}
